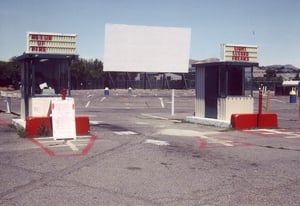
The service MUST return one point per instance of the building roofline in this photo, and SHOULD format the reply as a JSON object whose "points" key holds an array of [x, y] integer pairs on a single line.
{"points": [[225, 63]]}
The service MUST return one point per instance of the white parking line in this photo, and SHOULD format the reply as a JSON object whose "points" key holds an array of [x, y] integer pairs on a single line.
{"points": [[125, 133], [153, 116], [161, 102], [285, 134], [157, 142], [72, 146], [87, 104], [202, 135], [213, 140], [95, 122]]}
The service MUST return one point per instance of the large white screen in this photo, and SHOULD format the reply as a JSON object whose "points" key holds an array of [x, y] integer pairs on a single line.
{"points": [[129, 48]]}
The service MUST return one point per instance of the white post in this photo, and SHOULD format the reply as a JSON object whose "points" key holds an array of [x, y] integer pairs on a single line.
{"points": [[172, 102], [8, 104]]}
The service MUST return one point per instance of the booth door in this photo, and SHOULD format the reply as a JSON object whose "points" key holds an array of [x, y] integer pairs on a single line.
{"points": [[211, 92]]}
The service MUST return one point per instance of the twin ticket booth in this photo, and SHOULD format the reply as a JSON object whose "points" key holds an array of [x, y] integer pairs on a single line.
{"points": [[223, 89]]}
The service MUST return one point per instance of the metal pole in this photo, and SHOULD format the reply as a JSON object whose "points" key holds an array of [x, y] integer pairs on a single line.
{"points": [[172, 102], [268, 101], [299, 110], [260, 102]]}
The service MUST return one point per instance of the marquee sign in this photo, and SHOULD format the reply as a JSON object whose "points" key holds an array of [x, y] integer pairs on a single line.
{"points": [[233, 52], [51, 43]]}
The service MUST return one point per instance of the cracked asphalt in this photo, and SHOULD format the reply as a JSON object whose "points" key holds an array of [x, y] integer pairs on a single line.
{"points": [[139, 154]]}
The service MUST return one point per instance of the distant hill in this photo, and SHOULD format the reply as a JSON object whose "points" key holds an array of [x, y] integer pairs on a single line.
{"points": [[193, 61], [280, 69], [287, 68]]}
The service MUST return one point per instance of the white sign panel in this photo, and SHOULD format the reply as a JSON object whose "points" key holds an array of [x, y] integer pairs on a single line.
{"points": [[234, 52], [129, 48], [51, 43], [63, 119]]}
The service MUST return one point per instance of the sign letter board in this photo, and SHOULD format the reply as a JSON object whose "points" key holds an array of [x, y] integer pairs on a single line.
{"points": [[235, 52], [51, 43], [63, 119]]}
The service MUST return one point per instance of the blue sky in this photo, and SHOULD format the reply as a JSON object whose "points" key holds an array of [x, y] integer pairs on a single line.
{"points": [[273, 25]]}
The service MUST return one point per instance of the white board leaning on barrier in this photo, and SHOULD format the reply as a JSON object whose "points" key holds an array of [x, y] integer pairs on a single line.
{"points": [[131, 48], [63, 119]]}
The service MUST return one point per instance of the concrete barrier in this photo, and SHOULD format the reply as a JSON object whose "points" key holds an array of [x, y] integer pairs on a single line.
{"points": [[9, 95], [252, 121]]}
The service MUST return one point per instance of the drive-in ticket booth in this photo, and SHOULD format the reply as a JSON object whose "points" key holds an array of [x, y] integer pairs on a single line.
{"points": [[45, 73], [225, 87]]}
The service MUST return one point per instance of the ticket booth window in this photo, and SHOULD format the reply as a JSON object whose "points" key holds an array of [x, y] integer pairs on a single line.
{"points": [[44, 76], [235, 81], [49, 77]]}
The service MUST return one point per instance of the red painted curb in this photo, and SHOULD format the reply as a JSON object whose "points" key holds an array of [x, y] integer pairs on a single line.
{"points": [[84, 152], [4, 123]]}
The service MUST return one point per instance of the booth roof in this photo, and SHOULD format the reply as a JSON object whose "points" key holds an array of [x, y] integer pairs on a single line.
{"points": [[45, 56], [225, 63]]}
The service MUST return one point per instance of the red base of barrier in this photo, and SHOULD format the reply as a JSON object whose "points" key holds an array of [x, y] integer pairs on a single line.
{"points": [[42, 126], [251, 121], [38, 126], [267, 121], [244, 121], [82, 125]]}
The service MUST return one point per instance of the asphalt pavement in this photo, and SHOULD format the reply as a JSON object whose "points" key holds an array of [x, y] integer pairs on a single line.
{"points": [[138, 153]]}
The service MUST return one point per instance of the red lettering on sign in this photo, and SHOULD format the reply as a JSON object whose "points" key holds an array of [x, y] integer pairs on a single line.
{"points": [[240, 58], [38, 49], [40, 40], [240, 53], [239, 48], [41, 43], [41, 37]]}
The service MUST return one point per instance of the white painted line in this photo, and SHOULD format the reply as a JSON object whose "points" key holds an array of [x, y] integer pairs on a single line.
{"points": [[59, 145], [277, 100], [87, 104], [157, 142], [81, 144], [82, 140], [89, 95], [72, 146], [176, 121], [185, 132], [292, 137], [142, 123], [156, 117], [161, 102], [213, 140], [288, 135], [51, 141], [95, 122], [102, 99], [83, 136], [44, 138], [125, 133]]}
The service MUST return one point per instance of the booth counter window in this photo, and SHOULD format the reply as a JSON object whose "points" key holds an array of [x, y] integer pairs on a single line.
{"points": [[45, 75], [49, 77]]}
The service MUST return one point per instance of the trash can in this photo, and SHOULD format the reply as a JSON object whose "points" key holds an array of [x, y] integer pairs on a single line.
{"points": [[293, 96], [106, 91], [129, 90]]}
